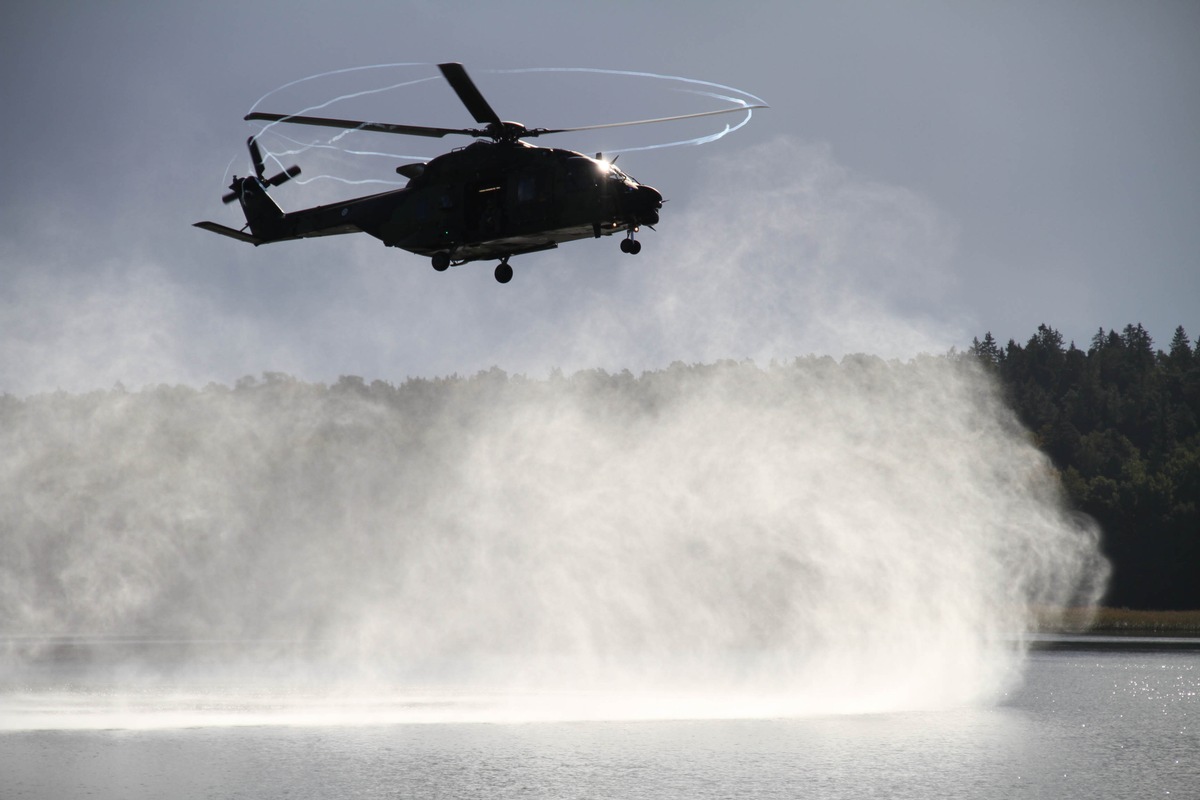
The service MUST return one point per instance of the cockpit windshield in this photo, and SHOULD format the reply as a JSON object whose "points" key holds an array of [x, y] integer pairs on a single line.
{"points": [[613, 172], [605, 169]]}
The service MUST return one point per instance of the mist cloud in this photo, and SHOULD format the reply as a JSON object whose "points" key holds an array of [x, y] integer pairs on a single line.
{"points": [[779, 252], [862, 536]]}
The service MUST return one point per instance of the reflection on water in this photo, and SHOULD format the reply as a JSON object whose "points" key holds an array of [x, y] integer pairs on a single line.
{"points": [[1084, 724], [106, 708]]}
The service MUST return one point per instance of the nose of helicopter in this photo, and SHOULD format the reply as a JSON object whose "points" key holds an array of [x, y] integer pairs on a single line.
{"points": [[648, 201]]}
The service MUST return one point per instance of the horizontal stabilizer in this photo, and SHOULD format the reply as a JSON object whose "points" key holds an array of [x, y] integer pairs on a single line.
{"points": [[241, 236]]}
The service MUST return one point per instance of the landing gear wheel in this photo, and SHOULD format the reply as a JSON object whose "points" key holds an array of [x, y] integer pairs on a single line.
{"points": [[504, 272], [441, 261], [631, 246]]}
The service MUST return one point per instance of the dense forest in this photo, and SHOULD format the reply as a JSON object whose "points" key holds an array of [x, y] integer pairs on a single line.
{"points": [[1121, 421]]}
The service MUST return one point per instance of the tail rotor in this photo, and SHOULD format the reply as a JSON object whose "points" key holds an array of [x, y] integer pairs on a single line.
{"points": [[237, 187]]}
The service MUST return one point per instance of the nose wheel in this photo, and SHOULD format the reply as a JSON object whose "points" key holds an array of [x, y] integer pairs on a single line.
{"points": [[631, 245], [504, 272]]}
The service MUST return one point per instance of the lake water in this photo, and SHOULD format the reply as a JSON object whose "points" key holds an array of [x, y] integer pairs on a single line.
{"points": [[1088, 721]]}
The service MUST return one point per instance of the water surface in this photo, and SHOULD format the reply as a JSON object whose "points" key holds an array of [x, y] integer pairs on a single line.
{"points": [[1084, 723]]}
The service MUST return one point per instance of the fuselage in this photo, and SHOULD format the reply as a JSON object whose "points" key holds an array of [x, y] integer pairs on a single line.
{"points": [[485, 200]]}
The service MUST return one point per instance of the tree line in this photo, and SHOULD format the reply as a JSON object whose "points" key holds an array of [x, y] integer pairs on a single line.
{"points": [[1121, 422]]}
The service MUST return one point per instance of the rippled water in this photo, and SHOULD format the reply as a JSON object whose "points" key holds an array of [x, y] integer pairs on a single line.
{"points": [[1085, 723]]}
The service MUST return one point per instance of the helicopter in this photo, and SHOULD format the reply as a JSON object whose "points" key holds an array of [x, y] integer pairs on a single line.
{"points": [[495, 198]]}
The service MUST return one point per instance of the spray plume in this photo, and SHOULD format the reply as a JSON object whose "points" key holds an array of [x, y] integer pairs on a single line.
{"points": [[808, 538]]}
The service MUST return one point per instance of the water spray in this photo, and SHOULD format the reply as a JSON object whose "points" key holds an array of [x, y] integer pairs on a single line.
{"points": [[719, 540]]}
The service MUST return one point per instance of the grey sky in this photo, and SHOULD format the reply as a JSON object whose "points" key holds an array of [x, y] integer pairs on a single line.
{"points": [[927, 171]]}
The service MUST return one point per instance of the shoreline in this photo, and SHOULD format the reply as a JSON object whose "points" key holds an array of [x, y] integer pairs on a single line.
{"points": [[1117, 622]]}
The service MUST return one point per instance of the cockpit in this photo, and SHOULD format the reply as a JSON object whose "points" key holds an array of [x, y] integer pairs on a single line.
{"points": [[611, 171]]}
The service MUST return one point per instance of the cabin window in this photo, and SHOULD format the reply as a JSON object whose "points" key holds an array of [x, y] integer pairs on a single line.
{"points": [[526, 190]]}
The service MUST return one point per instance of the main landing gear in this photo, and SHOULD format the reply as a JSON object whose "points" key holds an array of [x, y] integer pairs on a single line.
{"points": [[631, 245], [504, 272]]}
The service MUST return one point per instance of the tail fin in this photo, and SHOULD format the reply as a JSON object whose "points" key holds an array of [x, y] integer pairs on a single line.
{"points": [[264, 217], [263, 214]]}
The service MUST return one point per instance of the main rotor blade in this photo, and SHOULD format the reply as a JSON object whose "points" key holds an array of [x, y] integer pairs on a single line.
{"points": [[471, 97], [356, 125], [541, 131]]}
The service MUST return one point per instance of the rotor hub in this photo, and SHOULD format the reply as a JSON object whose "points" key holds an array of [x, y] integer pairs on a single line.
{"points": [[506, 132]]}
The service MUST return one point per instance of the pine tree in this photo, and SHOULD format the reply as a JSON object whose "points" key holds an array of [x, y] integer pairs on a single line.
{"points": [[1180, 358], [987, 351]]}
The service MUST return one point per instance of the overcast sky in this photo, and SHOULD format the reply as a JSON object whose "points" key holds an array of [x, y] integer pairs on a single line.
{"points": [[927, 172]]}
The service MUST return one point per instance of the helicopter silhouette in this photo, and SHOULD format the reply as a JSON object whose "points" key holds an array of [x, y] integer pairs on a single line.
{"points": [[495, 198]]}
